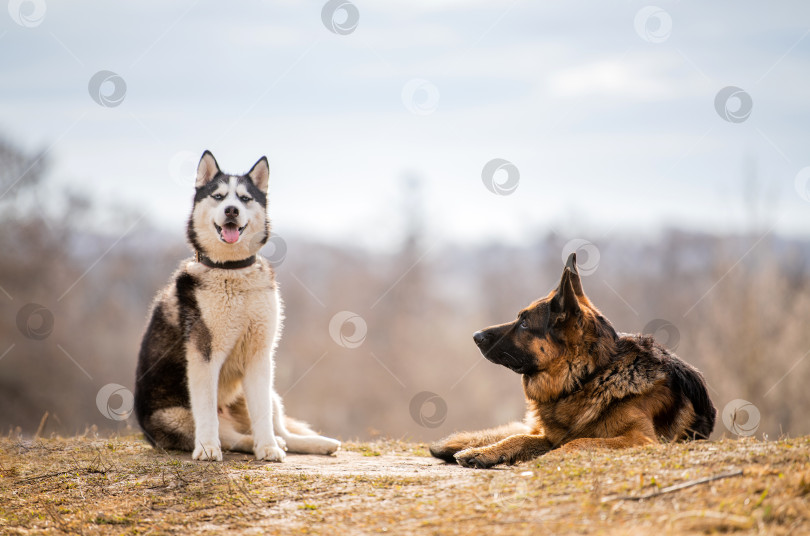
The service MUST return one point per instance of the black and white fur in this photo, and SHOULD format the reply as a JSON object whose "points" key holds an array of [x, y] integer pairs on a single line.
{"points": [[205, 370]]}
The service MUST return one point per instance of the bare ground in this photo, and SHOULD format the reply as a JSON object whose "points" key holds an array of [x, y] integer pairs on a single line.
{"points": [[89, 485]]}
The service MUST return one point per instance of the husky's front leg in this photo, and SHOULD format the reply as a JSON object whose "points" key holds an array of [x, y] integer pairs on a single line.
{"points": [[257, 383], [203, 378]]}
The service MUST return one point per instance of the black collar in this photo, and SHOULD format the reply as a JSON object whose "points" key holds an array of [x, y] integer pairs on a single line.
{"points": [[227, 265]]}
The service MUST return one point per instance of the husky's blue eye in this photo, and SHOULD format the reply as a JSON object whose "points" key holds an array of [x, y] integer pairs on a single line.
{"points": [[245, 198], [218, 197]]}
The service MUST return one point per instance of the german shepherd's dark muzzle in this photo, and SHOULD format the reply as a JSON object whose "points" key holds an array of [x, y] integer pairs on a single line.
{"points": [[496, 344]]}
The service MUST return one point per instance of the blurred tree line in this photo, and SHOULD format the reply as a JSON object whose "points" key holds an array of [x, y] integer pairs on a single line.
{"points": [[74, 298]]}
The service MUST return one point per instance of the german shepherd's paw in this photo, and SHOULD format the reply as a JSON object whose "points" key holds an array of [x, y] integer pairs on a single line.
{"points": [[479, 458], [444, 451], [207, 451], [269, 453]]}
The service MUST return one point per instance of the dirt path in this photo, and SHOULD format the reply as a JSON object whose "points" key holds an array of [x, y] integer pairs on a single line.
{"points": [[352, 464], [122, 486]]}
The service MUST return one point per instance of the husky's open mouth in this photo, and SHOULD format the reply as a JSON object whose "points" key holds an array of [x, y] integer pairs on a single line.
{"points": [[229, 232]]}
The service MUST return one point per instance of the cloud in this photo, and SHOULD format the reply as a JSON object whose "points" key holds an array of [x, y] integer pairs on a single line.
{"points": [[649, 77], [569, 92]]}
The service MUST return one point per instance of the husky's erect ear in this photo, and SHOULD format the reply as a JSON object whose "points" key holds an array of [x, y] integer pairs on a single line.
{"points": [[576, 282], [565, 303], [260, 174], [207, 169]]}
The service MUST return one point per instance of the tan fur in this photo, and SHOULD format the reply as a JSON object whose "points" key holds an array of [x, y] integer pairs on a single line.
{"points": [[462, 440], [585, 386]]}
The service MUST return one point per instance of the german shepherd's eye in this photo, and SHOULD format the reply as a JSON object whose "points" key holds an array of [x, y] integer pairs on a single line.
{"points": [[245, 198], [218, 197], [524, 324]]}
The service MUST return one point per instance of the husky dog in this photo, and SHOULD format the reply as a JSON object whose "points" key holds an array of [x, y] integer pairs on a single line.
{"points": [[205, 370]]}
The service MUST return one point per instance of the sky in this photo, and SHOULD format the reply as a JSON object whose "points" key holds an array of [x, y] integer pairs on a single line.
{"points": [[603, 117]]}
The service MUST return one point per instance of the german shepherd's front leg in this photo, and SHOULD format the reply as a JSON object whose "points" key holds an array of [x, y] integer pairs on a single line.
{"points": [[512, 450], [258, 385], [449, 446]]}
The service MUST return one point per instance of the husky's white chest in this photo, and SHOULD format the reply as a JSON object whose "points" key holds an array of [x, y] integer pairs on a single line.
{"points": [[241, 308]]}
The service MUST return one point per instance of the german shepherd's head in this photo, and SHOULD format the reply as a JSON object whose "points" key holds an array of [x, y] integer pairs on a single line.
{"points": [[229, 219], [555, 341]]}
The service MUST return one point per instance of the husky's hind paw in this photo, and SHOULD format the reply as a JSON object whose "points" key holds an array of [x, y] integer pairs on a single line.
{"points": [[281, 443], [312, 444], [327, 445], [207, 452], [269, 453]]}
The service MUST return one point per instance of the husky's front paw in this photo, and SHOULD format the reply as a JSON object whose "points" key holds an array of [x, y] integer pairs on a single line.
{"points": [[281, 443], [207, 451], [269, 453]]}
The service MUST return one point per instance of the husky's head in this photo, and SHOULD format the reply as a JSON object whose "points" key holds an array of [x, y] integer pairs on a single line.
{"points": [[229, 219]]}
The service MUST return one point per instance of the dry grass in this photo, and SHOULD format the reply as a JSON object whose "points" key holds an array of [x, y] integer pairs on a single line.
{"points": [[122, 486]]}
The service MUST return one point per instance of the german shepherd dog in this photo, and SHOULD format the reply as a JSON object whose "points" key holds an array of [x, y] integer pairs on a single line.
{"points": [[585, 385], [205, 370]]}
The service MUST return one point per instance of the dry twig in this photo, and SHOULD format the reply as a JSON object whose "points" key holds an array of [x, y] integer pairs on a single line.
{"points": [[670, 489]]}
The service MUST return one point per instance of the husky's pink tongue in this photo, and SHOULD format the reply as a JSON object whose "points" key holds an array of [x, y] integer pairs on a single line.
{"points": [[230, 233]]}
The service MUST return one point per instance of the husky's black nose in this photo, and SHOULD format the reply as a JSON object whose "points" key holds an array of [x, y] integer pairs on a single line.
{"points": [[480, 337], [231, 212]]}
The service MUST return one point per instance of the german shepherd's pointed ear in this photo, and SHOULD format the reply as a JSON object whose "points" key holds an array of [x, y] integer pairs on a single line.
{"points": [[565, 305], [260, 174], [571, 266], [207, 169]]}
